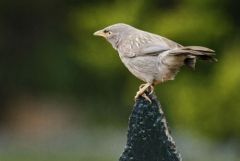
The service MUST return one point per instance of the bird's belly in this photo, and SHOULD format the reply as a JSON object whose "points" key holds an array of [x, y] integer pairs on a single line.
{"points": [[144, 68]]}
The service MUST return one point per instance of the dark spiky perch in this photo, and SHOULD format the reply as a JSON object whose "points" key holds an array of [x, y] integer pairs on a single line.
{"points": [[148, 136]]}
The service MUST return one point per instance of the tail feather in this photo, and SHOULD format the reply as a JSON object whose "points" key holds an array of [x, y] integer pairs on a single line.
{"points": [[198, 48], [191, 53], [197, 51]]}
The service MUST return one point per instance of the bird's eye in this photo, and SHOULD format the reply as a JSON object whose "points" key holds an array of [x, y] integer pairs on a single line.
{"points": [[107, 32]]}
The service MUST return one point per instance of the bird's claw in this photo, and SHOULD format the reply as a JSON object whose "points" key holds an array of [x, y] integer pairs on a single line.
{"points": [[142, 89], [144, 95], [137, 95]]}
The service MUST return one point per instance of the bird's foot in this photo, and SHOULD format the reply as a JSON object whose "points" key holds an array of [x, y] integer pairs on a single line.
{"points": [[149, 89], [144, 95], [142, 89]]}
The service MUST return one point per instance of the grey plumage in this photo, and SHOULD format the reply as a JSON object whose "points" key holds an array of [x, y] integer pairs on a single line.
{"points": [[150, 57]]}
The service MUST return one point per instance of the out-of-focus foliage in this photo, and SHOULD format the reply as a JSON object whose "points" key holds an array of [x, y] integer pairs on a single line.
{"points": [[47, 48]]}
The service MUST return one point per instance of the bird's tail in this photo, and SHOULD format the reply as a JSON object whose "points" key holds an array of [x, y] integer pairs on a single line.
{"points": [[194, 52]]}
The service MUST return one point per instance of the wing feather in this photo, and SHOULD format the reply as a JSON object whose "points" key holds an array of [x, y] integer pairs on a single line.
{"points": [[146, 44]]}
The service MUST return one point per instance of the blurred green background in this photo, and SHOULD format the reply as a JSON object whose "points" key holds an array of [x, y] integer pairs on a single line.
{"points": [[65, 95]]}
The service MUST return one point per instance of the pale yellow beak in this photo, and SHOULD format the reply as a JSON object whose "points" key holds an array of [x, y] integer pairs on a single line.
{"points": [[99, 33]]}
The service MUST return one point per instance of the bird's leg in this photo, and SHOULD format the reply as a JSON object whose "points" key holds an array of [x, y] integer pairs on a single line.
{"points": [[150, 88], [141, 86], [142, 89]]}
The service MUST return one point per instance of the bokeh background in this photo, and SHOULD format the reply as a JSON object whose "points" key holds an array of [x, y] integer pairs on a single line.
{"points": [[65, 95]]}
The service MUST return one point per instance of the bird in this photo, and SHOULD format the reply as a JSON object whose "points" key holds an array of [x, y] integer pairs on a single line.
{"points": [[152, 58]]}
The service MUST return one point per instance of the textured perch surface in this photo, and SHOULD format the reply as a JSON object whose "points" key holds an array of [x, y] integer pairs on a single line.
{"points": [[148, 136]]}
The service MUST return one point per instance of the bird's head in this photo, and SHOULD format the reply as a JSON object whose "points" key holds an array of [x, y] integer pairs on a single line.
{"points": [[115, 33]]}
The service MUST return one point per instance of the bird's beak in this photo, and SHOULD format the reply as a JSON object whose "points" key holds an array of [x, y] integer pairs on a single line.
{"points": [[99, 33]]}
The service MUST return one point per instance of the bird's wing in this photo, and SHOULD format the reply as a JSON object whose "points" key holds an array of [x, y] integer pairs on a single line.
{"points": [[143, 50], [152, 44], [152, 49]]}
